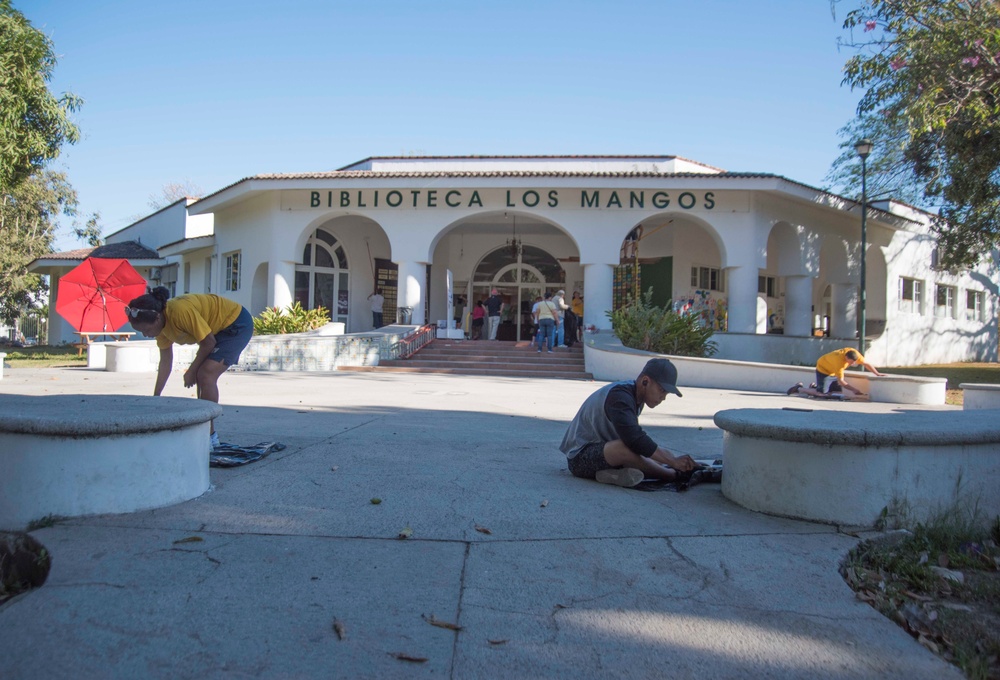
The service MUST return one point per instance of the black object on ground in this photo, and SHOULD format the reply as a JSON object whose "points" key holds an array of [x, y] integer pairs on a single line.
{"points": [[231, 455]]}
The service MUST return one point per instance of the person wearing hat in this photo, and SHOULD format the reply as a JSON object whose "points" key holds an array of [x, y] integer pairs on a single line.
{"points": [[830, 381], [605, 441], [559, 299]]}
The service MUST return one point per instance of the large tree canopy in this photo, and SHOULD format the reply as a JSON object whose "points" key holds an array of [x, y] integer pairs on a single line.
{"points": [[27, 222], [34, 124], [930, 71]]}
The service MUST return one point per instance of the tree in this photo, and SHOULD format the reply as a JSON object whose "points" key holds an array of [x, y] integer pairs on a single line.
{"points": [[930, 71], [90, 232], [173, 192], [34, 124], [27, 226]]}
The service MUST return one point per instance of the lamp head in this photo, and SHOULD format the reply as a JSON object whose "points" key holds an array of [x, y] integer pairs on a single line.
{"points": [[863, 147]]}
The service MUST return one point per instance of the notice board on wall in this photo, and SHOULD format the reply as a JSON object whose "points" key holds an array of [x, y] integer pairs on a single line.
{"points": [[387, 278]]}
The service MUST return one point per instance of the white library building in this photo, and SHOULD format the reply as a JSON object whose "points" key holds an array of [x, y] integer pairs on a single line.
{"points": [[772, 264]]}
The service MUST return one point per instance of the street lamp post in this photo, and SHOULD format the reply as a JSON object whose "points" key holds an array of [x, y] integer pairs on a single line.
{"points": [[863, 147]]}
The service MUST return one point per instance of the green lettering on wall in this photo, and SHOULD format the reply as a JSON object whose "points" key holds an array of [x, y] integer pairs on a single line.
{"points": [[416, 193], [509, 204], [398, 198], [361, 203], [530, 198], [709, 200], [475, 200], [314, 199], [376, 198], [590, 201], [661, 199], [687, 203], [447, 198], [553, 198], [345, 199], [614, 200], [637, 200], [432, 198]]}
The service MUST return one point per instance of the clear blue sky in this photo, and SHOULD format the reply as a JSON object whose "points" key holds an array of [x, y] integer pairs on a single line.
{"points": [[213, 91]]}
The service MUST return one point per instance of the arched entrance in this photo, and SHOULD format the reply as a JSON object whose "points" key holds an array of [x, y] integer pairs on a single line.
{"points": [[520, 275], [323, 278]]}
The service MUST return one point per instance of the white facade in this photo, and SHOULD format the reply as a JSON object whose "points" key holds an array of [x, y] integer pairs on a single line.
{"points": [[707, 236]]}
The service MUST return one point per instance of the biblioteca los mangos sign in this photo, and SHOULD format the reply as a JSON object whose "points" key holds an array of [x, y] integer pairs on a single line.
{"points": [[354, 199]]}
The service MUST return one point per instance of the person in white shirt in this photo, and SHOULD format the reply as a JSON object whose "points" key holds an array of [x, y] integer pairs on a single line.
{"points": [[377, 301]]}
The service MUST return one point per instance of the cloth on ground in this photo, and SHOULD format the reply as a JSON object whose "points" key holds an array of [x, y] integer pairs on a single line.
{"points": [[708, 471], [231, 455]]}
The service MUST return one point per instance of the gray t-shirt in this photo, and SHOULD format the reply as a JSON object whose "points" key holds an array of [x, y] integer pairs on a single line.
{"points": [[610, 413]]}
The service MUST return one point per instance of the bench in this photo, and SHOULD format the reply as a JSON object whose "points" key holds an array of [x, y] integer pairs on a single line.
{"points": [[87, 338], [979, 396], [71, 455], [847, 468]]}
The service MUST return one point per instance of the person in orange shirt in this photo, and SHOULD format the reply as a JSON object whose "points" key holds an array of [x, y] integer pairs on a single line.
{"points": [[830, 381]]}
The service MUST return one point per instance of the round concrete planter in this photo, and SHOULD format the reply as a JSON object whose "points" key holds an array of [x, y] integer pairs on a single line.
{"points": [[72, 455], [845, 468]]}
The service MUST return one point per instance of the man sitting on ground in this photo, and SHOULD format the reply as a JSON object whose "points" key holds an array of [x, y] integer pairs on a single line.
{"points": [[606, 443], [830, 379]]}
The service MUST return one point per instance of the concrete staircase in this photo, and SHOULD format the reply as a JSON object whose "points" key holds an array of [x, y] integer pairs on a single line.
{"points": [[486, 357]]}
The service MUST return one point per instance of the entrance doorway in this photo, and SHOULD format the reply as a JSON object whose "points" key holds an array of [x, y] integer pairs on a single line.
{"points": [[520, 277]]}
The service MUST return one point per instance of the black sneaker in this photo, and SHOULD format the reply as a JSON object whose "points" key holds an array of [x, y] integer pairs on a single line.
{"points": [[794, 388]]}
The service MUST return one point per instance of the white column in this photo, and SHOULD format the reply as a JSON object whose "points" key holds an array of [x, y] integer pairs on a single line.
{"points": [[411, 293], [741, 282], [598, 286], [798, 305], [843, 310], [282, 283]]}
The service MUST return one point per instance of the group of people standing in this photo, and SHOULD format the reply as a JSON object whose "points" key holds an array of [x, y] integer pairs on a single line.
{"points": [[557, 323]]}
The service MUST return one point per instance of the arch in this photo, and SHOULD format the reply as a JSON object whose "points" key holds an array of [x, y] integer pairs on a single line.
{"points": [[258, 291], [322, 277], [785, 251], [876, 292]]}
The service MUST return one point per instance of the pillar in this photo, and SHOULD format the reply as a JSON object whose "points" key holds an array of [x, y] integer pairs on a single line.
{"points": [[741, 282], [411, 293], [798, 305], [598, 286], [282, 283], [843, 310]]}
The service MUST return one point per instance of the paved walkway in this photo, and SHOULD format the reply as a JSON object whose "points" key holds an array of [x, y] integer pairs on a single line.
{"points": [[548, 576]]}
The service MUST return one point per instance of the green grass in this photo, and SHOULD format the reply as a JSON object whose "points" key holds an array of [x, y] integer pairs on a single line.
{"points": [[43, 356]]}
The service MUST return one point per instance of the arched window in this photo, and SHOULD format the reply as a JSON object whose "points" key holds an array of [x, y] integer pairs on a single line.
{"points": [[322, 280], [521, 276]]}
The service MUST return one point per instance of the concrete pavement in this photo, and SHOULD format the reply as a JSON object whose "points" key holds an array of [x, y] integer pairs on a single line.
{"points": [[547, 575]]}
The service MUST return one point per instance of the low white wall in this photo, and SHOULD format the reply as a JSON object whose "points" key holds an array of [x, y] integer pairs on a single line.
{"points": [[2, 355], [822, 467], [976, 396], [607, 359]]}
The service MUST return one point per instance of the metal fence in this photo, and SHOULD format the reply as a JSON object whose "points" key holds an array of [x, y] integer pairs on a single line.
{"points": [[29, 329]]}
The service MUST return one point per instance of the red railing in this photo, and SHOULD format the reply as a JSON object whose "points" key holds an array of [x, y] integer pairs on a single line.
{"points": [[411, 344]]}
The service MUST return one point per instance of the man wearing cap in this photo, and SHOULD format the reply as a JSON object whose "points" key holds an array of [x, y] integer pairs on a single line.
{"points": [[606, 443], [830, 381]]}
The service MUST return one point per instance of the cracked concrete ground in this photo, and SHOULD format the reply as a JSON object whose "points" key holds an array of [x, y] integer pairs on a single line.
{"points": [[548, 576]]}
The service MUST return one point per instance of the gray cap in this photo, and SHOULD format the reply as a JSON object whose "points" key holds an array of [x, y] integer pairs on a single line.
{"points": [[664, 373]]}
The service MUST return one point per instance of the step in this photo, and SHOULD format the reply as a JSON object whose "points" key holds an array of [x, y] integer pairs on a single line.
{"points": [[541, 372]]}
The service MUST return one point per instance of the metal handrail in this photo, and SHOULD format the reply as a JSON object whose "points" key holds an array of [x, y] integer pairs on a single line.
{"points": [[411, 344]]}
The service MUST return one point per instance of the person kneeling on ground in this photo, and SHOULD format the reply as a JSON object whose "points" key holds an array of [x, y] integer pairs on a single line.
{"points": [[605, 441], [830, 379]]}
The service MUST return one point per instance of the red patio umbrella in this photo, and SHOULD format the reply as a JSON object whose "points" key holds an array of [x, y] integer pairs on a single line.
{"points": [[92, 296]]}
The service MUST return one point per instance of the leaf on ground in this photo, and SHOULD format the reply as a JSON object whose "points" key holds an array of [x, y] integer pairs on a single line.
{"points": [[339, 629], [334, 468], [929, 644], [441, 624], [483, 530], [408, 657], [405, 533], [190, 539], [917, 596], [375, 501], [498, 642], [545, 503]]}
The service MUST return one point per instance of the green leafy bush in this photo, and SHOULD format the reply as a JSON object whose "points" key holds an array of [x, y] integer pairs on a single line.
{"points": [[292, 319], [642, 325]]}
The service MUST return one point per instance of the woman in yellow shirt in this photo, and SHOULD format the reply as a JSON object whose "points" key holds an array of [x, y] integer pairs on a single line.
{"points": [[221, 328]]}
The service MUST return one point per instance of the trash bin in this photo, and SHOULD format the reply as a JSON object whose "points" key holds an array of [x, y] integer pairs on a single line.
{"points": [[405, 315]]}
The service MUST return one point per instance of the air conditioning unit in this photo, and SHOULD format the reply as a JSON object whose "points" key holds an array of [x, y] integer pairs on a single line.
{"points": [[155, 273]]}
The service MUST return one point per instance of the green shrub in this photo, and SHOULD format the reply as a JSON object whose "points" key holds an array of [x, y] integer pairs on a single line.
{"points": [[292, 319], [642, 325]]}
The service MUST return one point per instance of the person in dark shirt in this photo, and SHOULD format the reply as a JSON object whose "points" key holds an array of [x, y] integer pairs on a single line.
{"points": [[605, 441], [494, 308]]}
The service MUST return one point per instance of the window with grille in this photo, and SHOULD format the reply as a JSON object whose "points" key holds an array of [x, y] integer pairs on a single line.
{"points": [[974, 305], [944, 304], [707, 278], [911, 294], [232, 271]]}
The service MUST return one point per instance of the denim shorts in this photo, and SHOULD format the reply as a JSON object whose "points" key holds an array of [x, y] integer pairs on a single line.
{"points": [[828, 384], [233, 339], [589, 461]]}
